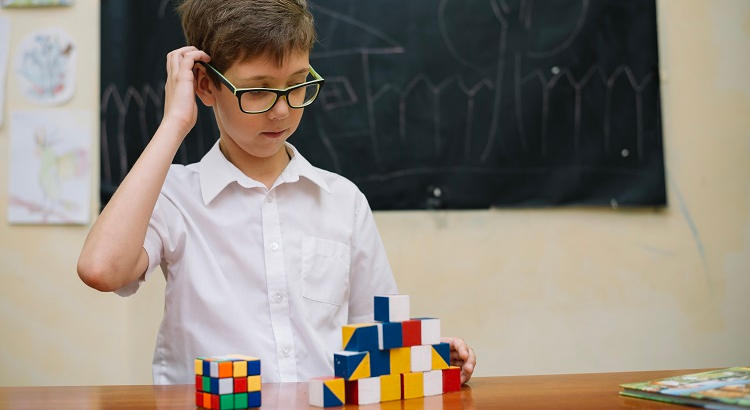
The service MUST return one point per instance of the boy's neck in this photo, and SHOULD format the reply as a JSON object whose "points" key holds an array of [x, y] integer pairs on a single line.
{"points": [[263, 170]]}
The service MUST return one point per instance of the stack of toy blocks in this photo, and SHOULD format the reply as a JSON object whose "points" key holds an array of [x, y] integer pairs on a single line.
{"points": [[227, 382], [393, 358]]}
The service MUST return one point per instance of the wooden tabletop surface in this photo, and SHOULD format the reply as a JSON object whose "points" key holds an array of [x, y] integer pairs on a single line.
{"points": [[570, 391]]}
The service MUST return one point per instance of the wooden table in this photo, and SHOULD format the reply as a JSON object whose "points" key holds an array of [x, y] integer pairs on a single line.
{"points": [[573, 391]]}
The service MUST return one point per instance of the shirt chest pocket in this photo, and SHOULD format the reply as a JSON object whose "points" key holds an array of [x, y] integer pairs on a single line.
{"points": [[325, 270]]}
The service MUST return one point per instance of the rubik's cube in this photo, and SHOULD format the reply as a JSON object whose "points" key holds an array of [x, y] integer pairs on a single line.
{"points": [[227, 382], [394, 358]]}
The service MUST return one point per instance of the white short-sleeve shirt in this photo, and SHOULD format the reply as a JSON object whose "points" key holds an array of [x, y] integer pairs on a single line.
{"points": [[272, 273]]}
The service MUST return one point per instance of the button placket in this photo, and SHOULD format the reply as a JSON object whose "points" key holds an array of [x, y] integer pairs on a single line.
{"points": [[276, 289]]}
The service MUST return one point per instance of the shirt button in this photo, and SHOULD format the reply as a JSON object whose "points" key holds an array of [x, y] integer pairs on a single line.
{"points": [[278, 297], [269, 199], [274, 246], [285, 351]]}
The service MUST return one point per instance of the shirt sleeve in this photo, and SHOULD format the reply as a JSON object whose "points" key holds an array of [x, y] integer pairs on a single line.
{"points": [[156, 235], [370, 272]]}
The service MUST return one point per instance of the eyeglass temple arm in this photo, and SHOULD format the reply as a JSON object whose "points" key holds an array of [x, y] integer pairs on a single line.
{"points": [[221, 76]]}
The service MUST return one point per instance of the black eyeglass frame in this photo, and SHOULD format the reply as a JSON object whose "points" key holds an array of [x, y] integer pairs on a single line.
{"points": [[317, 79]]}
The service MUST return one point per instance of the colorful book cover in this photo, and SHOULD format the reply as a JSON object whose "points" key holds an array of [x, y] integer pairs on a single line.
{"points": [[716, 389]]}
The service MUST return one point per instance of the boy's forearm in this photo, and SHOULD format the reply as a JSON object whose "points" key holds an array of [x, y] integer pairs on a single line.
{"points": [[110, 255]]}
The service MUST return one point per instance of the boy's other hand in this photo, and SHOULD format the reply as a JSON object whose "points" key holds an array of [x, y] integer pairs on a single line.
{"points": [[462, 356], [180, 108]]}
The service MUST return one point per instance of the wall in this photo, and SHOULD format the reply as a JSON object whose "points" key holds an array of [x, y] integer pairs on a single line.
{"points": [[533, 290]]}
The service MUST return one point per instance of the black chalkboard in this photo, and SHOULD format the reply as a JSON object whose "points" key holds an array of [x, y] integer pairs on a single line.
{"points": [[437, 103]]}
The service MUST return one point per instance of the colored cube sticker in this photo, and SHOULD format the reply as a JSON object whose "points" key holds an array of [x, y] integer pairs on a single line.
{"points": [[351, 365], [253, 399], [392, 308], [326, 392], [253, 383]]}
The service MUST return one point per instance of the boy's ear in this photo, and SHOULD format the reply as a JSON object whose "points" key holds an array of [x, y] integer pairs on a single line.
{"points": [[205, 88]]}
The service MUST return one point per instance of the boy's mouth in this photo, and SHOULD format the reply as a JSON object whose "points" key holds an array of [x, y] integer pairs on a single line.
{"points": [[273, 134]]}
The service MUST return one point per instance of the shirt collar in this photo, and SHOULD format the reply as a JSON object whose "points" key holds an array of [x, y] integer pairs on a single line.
{"points": [[216, 173]]}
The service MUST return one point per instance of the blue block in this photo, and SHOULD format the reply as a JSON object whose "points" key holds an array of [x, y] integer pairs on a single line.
{"points": [[380, 363], [214, 388], [381, 309], [389, 335], [253, 399]]}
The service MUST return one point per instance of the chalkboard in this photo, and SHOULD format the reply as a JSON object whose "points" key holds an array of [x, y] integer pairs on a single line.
{"points": [[449, 104]]}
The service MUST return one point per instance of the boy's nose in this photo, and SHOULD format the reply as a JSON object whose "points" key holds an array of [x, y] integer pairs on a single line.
{"points": [[280, 109]]}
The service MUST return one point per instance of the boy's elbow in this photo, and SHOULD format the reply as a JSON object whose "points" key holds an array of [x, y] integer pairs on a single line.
{"points": [[96, 275]]}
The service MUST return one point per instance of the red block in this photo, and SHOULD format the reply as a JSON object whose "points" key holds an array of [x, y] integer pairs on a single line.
{"points": [[240, 385], [451, 379], [352, 395], [411, 332], [215, 402], [199, 384], [199, 399]]}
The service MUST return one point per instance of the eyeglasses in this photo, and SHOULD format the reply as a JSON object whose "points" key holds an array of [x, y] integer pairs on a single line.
{"points": [[260, 100]]}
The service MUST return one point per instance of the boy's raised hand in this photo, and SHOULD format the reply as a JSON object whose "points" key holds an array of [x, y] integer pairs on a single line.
{"points": [[462, 356], [180, 109]]}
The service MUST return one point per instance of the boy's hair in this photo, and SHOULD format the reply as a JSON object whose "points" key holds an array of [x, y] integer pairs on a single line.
{"points": [[230, 31]]}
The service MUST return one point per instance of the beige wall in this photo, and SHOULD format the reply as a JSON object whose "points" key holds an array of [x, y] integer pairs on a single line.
{"points": [[534, 291]]}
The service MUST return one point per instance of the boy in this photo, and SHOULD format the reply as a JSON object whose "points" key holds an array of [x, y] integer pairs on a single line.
{"points": [[263, 253]]}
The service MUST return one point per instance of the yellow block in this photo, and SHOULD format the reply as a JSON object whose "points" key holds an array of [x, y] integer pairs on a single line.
{"points": [[363, 369], [413, 385], [400, 360], [336, 385], [390, 387], [253, 383], [438, 363], [198, 367], [240, 368]]}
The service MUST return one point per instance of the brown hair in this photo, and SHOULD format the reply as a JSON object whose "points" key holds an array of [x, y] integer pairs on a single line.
{"points": [[232, 30]]}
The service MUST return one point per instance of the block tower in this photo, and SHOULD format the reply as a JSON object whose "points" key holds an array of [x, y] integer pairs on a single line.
{"points": [[393, 358], [227, 382]]}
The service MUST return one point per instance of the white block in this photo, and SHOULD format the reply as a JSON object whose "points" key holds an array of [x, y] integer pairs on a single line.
{"points": [[214, 366], [368, 390], [398, 308], [226, 385], [433, 382], [315, 392], [421, 358], [430, 331]]}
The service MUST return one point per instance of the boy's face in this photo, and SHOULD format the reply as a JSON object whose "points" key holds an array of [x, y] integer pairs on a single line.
{"points": [[260, 135]]}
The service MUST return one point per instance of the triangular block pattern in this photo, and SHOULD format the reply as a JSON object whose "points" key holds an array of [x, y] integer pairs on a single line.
{"points": [[396, 357]]}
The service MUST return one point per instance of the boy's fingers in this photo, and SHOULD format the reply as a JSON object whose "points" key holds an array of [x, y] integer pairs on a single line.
{"points": [[462, 349]]}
